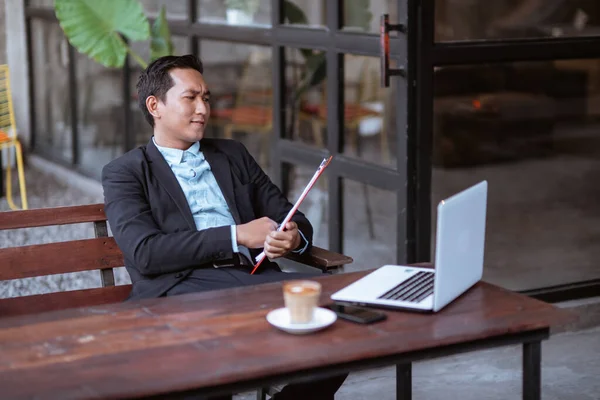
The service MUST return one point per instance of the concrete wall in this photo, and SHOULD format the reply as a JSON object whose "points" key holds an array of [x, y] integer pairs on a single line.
{"points": [[2, 33], [16, 58]]}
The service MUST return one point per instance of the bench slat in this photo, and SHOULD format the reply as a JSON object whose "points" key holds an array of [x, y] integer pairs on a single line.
{"points": [[58, 258], [321, 258], [52, 216], [63, 300]]}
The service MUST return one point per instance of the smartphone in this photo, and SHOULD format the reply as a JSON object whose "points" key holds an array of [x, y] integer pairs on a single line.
{"points": [[356, 314]]}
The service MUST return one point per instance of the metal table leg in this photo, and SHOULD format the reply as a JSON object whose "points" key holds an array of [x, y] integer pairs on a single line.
{"points": [[532, 370], [404, 381]]}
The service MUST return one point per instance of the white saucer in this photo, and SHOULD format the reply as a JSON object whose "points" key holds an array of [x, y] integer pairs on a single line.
{"points": [[280, 318]]}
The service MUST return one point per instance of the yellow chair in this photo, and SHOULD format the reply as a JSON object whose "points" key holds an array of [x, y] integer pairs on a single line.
{"points": [[8, 138]]}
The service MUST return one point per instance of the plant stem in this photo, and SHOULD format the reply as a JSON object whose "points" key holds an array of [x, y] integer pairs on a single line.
{"points": [[137, 58], [133, 54]]}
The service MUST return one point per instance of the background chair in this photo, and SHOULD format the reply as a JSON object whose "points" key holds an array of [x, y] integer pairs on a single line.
{"points": [[8, 139]]}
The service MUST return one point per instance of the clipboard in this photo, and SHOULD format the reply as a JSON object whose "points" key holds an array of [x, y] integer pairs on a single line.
{"points": [[260, 258]]}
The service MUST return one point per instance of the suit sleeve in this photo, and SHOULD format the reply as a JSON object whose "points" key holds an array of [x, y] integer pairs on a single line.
{"points": [[271, 202], [137, 234]]}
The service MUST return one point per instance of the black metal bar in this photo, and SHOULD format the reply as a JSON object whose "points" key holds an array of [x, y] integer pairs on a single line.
{"points": [[335, 127], [370, 363], [404, 381], [335, 102], [335, 204], [423, 27], [231, 33], [279, 103], [344, 166], [565, 292], [192, 19], [532, 370], [404, 104], [129, 142], [41, 13], [341, 42], [74, 101], [515, 50]]}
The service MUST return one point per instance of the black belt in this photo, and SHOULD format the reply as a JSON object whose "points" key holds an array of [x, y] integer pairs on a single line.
{"points": [[238, 260]]}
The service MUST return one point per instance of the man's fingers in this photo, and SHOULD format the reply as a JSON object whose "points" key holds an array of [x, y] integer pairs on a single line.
{"points": [[273, 251], [283, 235], [278, 243]]}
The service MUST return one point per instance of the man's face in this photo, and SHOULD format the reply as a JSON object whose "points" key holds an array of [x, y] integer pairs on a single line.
{"points": [[183, 116]]}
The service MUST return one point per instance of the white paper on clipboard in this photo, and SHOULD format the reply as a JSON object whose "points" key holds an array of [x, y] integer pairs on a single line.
{"points": [[290, 214]]}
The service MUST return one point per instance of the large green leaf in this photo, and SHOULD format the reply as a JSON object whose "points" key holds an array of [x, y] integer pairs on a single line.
{"points": [[294, 14], [161, 44], [93, 27]]}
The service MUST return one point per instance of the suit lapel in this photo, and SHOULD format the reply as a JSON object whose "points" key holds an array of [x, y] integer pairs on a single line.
{"points": [[221, 170], [167, 179]]}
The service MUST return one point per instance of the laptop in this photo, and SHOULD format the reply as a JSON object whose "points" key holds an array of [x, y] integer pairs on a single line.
{"points": [[460, 240]]}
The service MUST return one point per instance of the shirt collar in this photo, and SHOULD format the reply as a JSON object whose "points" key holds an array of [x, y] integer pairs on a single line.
{"points": [[175, 156]]}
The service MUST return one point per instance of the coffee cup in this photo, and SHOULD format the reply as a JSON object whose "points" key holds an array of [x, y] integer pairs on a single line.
{"points": [[301, 297]]}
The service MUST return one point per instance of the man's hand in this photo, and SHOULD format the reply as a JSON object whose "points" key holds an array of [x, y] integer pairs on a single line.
{"points": [[278, 244], [253, 234]]}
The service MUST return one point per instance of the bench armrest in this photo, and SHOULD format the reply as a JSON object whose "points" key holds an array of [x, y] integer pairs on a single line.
{"points": [[320, 258]]}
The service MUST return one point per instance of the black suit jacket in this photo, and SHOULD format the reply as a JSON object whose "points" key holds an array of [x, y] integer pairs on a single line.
{"points": [[152, 223]]}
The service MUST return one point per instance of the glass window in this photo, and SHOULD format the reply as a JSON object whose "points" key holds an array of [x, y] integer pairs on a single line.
{"points": [[101, 125], [531, 130], [305, 13], [239, 77], [315, 205], [235, 12], [482, 19], [306, 97], [52, 103], [364, 15], [176, 9], [370, 226], [369, 127]]}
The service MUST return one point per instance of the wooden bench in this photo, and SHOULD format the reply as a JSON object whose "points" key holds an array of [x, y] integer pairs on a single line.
{"points": [[100, 253]]}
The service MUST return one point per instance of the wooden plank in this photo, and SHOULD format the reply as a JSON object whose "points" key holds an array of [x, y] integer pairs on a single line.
{"points": [[222, 337], [321, 258], [15, 306], [58, 258], [52, 216]]}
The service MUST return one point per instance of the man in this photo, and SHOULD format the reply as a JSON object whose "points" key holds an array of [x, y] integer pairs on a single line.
{"points": [[190, 213]]}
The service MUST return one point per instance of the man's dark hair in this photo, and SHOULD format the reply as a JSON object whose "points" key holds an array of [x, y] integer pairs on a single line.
{"points": [[155, 80]]}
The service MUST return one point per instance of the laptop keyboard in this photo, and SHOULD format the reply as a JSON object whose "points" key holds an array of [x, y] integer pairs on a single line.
{"points": [[414, 289]]}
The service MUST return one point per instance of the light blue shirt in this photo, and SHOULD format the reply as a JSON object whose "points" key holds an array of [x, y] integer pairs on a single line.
{"points": [[202, 192]]}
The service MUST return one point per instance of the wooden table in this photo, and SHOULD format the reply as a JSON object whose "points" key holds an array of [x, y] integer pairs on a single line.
{"points": [[219, 342]]}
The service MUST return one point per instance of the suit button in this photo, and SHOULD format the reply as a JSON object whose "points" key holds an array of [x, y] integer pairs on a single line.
{"points": [[221, 255], [178, 275]]}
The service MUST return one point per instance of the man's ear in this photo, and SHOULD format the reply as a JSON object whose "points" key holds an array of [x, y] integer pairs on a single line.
{"points": [[152, 106]]}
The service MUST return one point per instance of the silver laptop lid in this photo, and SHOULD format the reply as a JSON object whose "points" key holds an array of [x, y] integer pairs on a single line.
{"points": [[460, 239]]}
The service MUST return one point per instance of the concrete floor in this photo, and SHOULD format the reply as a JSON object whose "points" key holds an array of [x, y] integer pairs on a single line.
{"points": [[570, 370]]}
